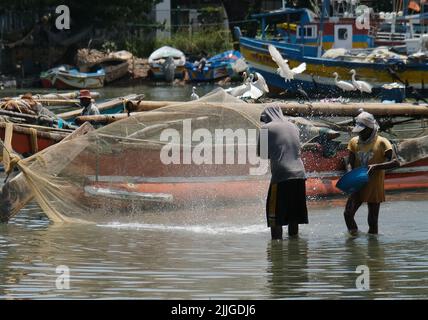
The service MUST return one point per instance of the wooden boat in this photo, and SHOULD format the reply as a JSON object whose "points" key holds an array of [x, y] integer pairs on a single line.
{"points": [[7, 82], [115, 70], [181, 185], [30, 139], [163, 69], [214, 68], [309, 44], [114, 64], [35, 134], [65, 77]]}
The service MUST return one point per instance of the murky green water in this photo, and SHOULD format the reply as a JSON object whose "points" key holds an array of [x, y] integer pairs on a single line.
{"points": [[224, 254], [216, 253], [175, 92]]}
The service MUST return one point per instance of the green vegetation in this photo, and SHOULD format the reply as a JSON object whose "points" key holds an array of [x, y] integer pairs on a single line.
{"points": [[105, 13], [210, 41], [140, 47]]}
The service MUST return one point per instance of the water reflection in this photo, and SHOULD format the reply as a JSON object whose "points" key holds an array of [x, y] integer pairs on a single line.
{"points": [[288, 265], [210, 254], [367, 251]]}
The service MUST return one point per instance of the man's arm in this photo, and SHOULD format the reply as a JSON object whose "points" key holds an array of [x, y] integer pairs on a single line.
{"points": [[391, 163], [262, 144], [351, 162]]}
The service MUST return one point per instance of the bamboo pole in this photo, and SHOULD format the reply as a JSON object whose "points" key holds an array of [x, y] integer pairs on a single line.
{"points": [[65, 95], [104, 106], [316, 108]]}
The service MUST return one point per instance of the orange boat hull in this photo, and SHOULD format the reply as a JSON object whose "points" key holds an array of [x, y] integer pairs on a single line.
{"points": [[182, 191]]}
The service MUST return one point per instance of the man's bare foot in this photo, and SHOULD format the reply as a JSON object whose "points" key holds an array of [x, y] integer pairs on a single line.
{"points": [[353, 232]]}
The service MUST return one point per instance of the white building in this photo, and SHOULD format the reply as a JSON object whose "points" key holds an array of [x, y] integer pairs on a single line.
{"points": [[163, 16]]}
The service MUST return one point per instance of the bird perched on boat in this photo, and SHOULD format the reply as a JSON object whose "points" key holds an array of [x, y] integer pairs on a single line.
{"points": [[260, 83], [284, 69], [253, 91], [194, 96], [361, 86], [241, 89], [345, 86]]}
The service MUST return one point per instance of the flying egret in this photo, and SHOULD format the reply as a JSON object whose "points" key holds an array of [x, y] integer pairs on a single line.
{"points": [[284, 70], [345, 86], [194, 96]]}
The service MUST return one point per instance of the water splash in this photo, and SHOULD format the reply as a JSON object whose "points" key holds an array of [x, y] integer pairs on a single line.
{"points": [[205, 229]]}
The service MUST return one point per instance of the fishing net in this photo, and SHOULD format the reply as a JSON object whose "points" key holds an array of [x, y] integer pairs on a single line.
{"points": [[191, 155], [412, 150], [187, 154]]}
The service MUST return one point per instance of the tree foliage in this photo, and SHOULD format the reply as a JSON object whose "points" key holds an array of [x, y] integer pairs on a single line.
{"points": [[105, 12]]}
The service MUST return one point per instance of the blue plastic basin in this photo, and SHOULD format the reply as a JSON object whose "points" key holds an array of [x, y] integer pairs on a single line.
{"points": [[354, 180]]}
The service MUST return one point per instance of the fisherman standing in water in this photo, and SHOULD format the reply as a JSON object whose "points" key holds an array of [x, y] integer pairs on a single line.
{"points": [[370, 150], [286, 200]]}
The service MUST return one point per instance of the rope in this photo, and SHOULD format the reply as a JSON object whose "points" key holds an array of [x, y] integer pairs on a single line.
{"points": [[33, 140], [10, 159]]}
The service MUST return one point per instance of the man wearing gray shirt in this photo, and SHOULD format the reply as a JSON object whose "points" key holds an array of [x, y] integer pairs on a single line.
{"points": [[89, 108], [286, 200]]}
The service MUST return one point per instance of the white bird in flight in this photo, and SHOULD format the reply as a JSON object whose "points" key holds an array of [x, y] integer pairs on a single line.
{"points": [[345, 86], [284, 70]]}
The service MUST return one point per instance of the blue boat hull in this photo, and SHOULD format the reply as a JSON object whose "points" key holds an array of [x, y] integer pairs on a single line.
{"points": [[318, 78]]}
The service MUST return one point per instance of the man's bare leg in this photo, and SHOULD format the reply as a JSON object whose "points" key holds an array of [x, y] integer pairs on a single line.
{"points": [[293, 229], [351, 208], [276, 232], [373, 217]]}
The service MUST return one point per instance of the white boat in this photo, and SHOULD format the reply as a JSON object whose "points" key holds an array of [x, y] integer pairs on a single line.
{"points": [[167, 63]]}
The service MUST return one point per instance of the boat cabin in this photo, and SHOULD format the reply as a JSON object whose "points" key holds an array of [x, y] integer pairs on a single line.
{"points": [[303, 27]]}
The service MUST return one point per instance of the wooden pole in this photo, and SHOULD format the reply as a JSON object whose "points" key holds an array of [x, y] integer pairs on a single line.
{"points": [[316, 108], [104, 106]]}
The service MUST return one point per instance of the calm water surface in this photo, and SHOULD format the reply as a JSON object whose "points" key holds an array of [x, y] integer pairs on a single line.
{"points": [[216, 253]]}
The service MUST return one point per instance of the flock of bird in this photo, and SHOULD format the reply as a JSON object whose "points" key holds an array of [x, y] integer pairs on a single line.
{"points": [[254, 85]]}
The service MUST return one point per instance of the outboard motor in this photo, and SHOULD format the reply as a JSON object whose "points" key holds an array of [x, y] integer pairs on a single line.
{"points": [[169, 69]]}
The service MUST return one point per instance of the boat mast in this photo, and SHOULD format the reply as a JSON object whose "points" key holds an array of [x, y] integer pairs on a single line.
{"points": [[324, 14]]}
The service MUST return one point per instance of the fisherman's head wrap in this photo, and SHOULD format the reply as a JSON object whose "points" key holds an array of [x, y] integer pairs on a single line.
{"points": [[366, 120], [272, 113]]}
